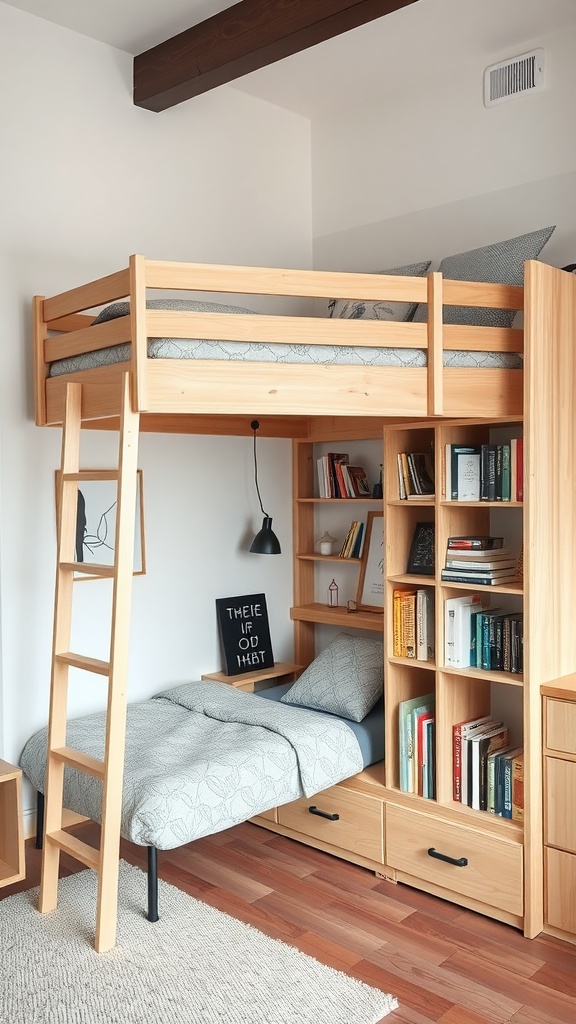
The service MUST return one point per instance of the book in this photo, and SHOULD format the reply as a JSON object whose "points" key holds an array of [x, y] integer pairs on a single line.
{"points": [[422, 718], [481, 581], [488, 472], [483, 565], [506, 481], [459, 730], [359, 480], [408, 624], [487, 743], [406, 737], [520, 469], [506, 782], [518, 788], [429, 770], [464, 476], [454, 624], [468, 476], [425, 641], [478, 542]]}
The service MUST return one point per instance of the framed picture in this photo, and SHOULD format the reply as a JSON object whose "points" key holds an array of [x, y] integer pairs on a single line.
{"points": [[370, 595], [421, 557], [96, 523]]}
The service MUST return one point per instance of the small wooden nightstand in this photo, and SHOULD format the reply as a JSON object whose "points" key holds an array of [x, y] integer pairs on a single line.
{"points": [[280, 671], [12, 862]]}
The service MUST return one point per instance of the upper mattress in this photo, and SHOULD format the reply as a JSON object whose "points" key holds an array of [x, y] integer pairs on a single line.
{"points": [[196, 348]]}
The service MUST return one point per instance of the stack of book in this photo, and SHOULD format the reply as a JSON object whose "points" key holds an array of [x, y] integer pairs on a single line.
{"points": [[488, 772], [338, 479], [353, 541], [413, 624], [415, 474], [416, 744], [480, 561], [485, 472]]}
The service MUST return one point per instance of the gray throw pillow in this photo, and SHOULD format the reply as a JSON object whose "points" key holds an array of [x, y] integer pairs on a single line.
{"points": [[502, 262], [360, 309], [346, 679]]}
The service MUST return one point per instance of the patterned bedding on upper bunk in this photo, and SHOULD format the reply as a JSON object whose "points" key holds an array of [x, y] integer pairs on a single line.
{"points": [[195, 348], [499, 262]]}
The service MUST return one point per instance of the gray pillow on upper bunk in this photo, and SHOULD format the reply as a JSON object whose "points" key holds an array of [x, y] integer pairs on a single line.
{"points": [[502, 262], [346, 679], [117, 309], [360, 309]]}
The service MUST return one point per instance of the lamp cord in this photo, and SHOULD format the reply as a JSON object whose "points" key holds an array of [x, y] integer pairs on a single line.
{"points": [[255, 428]]}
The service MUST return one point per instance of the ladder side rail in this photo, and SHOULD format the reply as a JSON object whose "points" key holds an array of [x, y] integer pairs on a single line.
{"points": [[66, 533], [106, 916]]}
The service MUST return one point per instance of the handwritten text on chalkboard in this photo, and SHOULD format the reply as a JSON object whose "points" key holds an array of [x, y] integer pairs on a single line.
{"points": [[245, 633]]}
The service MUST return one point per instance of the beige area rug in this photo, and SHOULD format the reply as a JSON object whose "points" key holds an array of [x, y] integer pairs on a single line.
{"points": [[196, 965]]}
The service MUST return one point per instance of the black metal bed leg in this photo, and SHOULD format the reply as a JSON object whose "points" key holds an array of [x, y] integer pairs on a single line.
{"points": [[39, 820], [152, 883]]}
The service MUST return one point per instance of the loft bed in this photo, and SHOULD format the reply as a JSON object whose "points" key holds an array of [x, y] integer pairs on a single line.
{"points": [[310, 399], [171, 392]]}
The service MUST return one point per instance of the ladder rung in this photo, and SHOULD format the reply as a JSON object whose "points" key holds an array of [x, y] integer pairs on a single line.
{"points": [[76, 759], [93, 474], [88, 568], [101, 668], [86, 854]]}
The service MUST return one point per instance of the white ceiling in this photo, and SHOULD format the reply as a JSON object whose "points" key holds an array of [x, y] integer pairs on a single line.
{"points": [[403, 50]]}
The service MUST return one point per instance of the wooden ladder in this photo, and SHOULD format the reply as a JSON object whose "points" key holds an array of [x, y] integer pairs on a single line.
{"points": [[105, 860]]}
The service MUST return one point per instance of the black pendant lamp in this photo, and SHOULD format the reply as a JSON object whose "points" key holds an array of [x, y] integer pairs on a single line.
{"points": [[265, 542]]}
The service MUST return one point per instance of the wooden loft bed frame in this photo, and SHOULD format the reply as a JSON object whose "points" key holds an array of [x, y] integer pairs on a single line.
{"points": [[313, 402], [177, 395]]}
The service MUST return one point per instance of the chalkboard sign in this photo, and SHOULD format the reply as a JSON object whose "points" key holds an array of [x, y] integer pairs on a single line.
{"points": [[245, 633], [421, 558]]}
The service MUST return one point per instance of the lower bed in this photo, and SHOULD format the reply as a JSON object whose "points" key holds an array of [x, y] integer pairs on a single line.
{"points": [[203, 757]]}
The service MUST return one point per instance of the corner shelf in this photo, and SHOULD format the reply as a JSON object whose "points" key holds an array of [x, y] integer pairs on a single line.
{"points": [[322, 613]]}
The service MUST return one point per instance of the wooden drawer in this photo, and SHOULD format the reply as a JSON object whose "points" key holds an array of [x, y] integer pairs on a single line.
{"points": [[359, 827], [493, 874], [559, 790], [561, 725], [560, 898]]}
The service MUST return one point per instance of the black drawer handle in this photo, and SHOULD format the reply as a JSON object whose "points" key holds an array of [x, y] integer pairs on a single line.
{"points": [[324, 814], [458, 862]]}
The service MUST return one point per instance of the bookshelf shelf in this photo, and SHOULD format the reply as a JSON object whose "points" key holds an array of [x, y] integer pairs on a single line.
{"points": [[311, 556], [341, 617]]}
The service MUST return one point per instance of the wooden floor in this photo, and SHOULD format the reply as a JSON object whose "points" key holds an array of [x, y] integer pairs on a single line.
{"points": [[442, 963]]}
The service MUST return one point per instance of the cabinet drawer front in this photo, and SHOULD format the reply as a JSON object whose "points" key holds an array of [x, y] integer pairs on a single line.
{"points": [[560, 905], [493, 874], [560, 787], [359, 827], [561, 725]]}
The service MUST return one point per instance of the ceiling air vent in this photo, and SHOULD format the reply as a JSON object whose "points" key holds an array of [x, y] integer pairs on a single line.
{"points": [[514, 77]]}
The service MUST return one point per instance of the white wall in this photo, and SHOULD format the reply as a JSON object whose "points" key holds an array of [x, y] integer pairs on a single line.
{"points": [[427, 172], [86, 179]]}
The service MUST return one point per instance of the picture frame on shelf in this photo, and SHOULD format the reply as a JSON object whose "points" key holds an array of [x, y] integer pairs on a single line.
{"points": [[370, 593], [421, 557]]}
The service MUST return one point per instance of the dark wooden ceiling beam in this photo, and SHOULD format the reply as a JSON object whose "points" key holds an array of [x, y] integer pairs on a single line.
{"points": [[247, 36]]}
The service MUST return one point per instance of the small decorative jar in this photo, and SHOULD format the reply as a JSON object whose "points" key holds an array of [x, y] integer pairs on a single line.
{"points": [[326, 543], [333, 595]]}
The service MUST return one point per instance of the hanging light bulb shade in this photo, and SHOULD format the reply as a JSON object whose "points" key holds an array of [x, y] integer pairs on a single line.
{"points": [[265, 542]]}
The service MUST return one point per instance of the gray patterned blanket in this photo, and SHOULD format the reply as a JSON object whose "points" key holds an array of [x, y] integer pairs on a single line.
{"points": [[202, 757]]}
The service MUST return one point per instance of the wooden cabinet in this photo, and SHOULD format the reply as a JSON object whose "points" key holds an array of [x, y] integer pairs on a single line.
{"points": [[559, 721], [12, 863]]}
